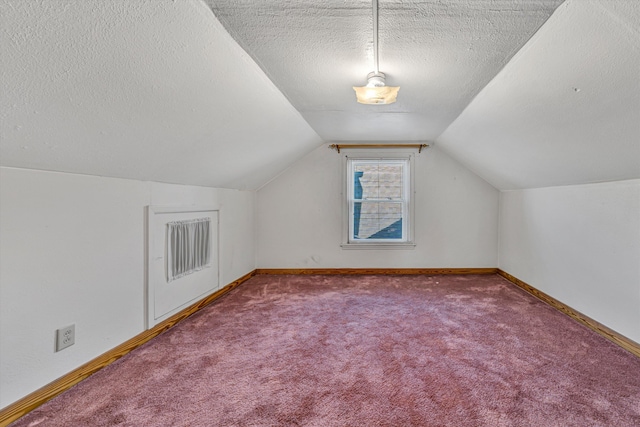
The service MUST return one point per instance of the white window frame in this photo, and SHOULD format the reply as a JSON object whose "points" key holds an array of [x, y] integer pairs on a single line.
{"points": [[347, 211]]}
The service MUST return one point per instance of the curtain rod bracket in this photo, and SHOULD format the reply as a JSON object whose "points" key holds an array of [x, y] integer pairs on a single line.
{"points": [[338, 147]]}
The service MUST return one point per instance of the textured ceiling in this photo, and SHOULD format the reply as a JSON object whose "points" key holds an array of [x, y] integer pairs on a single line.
{"points": [[566, 109], [160, 90], [440, 53], [144, 89]]}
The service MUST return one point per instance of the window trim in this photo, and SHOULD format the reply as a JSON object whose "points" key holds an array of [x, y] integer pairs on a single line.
{"points": [[396, 154]]}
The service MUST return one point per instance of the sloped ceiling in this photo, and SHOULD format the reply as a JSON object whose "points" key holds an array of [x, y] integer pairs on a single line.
{"points": [[143, 89], [440, 53], [566, 109], [228, 93]]}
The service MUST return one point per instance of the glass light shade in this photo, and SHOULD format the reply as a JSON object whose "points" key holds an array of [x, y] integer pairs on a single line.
{"points": [[376, 95]]}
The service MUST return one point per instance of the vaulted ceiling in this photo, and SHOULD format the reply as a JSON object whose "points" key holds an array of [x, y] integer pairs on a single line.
{"points": [[144, 89], [440, 53], [228, 93], [566, 109]]}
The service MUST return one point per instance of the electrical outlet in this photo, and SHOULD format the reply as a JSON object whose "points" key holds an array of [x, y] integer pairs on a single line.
{"points": [[65, 337]]}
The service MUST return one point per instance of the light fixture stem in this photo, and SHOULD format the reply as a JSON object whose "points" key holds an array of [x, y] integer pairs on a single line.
{"points": [[376, 64]]}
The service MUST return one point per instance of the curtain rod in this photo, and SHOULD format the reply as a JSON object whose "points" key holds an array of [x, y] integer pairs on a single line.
{"points": [[338, 147]]}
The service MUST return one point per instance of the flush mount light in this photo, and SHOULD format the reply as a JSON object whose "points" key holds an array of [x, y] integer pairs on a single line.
{"points": [[376, 92]]}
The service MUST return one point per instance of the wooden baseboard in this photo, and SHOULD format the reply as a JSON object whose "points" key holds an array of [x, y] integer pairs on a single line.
{"points": [[49, 391], [613, 336], [383, 271]]}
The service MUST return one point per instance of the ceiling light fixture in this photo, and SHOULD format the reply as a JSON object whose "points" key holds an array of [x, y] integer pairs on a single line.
{"points": [[376, 92]]}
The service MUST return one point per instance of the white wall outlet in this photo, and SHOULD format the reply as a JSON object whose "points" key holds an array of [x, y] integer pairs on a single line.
{"points": [[65, 337]]}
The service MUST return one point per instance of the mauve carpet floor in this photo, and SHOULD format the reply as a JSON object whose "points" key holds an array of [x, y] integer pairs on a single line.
{"points": [[363, 351]]}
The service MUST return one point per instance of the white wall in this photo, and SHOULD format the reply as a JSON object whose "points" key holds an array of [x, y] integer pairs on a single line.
{"points": [[581, 245], [73, 251], [300, 218]]}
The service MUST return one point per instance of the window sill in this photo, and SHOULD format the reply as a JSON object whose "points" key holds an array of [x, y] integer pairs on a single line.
{"points": [[378, 246]]}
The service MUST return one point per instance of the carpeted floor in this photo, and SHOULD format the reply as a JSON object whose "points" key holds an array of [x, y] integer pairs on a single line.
{"points": [[363, 351]]}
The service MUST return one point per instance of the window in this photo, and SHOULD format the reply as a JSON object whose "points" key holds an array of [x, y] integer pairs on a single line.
{"points": [[378, 202], [188, 247]]}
